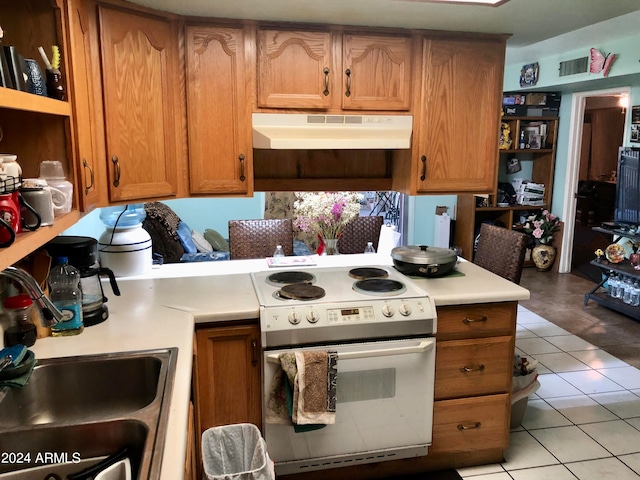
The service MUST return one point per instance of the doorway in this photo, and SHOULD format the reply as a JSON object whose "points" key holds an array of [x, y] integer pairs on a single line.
{"points": [[597, 123]]}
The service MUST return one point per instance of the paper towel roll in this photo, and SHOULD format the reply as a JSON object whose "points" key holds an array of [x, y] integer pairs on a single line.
{"points": [[389, 239]]}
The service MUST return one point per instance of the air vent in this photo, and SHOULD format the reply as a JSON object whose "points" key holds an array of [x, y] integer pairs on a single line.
{"points": [[572, 67], [334, 119]]}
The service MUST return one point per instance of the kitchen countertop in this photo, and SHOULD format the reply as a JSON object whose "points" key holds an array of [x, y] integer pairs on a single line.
{"points": [[159, 310]]}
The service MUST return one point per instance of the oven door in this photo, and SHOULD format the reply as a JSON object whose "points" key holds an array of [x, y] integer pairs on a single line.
{"points": [[384, 408]]}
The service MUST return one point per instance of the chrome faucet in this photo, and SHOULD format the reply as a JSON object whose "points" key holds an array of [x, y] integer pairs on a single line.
{"points": [[51, 315]]}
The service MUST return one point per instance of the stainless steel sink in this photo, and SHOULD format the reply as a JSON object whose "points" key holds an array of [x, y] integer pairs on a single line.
{"points": [[94, 405], [74, 443]]}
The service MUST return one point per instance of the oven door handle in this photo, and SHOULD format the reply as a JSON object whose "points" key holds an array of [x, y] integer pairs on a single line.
{"points": [[423, 346]]}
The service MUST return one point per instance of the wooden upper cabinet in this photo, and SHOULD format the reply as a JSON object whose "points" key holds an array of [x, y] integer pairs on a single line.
{"points": [[295, 69], [218, 111], [456, 142], [81, 91], [299, 69], [142, 91], [377, 72]]}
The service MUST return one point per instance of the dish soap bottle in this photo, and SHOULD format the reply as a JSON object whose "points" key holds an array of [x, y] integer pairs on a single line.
{"points": [[64, 284], [369, 248], [278, 252]]}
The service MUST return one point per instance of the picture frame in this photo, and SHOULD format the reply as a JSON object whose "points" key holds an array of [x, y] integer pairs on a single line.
{"points": [[535, 141], [635, 133]]}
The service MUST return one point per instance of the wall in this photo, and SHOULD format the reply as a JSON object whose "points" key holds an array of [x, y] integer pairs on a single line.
{"points": [[625, 72]]}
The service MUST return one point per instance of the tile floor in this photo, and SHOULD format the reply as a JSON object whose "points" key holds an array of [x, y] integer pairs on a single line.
{"points": [[584, 421]]}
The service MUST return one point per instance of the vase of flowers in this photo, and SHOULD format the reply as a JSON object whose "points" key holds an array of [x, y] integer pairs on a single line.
{"points": [[326, 214], [541, 227]]}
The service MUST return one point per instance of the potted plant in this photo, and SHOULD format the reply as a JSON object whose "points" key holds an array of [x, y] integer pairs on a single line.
{"points": [[541, 226]]}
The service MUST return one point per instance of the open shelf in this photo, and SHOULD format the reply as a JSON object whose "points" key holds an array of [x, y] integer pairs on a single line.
{"points": [[29, 242], [28, 102]]}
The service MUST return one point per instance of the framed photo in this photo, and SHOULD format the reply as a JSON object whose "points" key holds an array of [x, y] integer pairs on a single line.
{"points": [[529, 75], [535, 141], [635, 133], [635, 114]]}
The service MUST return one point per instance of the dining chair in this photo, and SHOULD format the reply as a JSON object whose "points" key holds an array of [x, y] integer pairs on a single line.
{"points": [[259, 238], [501, 251], [358, 232]]}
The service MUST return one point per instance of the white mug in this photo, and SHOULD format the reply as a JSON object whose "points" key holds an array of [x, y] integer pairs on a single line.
{"points": [[45, 200]]}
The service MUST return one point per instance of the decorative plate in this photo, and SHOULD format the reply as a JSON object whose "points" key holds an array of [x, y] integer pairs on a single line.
{"points": [[529, 75], [615, 253]]}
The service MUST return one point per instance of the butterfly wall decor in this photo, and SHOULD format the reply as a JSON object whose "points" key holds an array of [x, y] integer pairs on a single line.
{"points": [[600, 62]]}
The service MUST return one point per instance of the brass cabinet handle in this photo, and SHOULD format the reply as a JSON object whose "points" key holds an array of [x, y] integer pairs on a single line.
{"points": [[468, 320], [326, 81], [241, 158], [479, 368], [116, 180], [254, 353], [85, 164], [423, 159], [469, 427], [348, 92]]}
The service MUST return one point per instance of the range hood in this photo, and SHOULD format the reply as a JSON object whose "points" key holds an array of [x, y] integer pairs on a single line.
{"points": [[287, 131]]}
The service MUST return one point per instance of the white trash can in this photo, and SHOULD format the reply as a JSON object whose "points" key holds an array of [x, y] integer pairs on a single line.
{"points": [[235, 452]]}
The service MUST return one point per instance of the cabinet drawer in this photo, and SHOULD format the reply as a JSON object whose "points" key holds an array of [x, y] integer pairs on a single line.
{"points": [[477, 320], [465, 425], [467, 368]]}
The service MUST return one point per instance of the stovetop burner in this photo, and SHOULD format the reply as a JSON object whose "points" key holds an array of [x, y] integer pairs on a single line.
{"points": [[363, 273], [301, 291], [288, 277], [379, 286]]}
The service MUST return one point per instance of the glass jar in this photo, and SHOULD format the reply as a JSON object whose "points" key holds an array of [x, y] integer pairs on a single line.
{"points": [[21, 328]]}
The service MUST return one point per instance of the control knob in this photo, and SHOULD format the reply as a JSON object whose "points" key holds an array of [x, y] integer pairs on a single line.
{"points": [[294, 319], [388, 311], [405, 310], [312, 316]]}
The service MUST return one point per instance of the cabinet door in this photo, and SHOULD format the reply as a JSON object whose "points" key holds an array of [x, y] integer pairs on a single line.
{"points": [[219, 122], [81, 91], [228, 376], [457, 144], [139, 70], [294, 69], [376, 72]]}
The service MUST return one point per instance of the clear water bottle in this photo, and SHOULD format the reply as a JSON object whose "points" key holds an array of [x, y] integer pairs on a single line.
{"points": [[612, 286], [65, 293], [369, 248], [278, 252], [628, 289], [635, 295]]}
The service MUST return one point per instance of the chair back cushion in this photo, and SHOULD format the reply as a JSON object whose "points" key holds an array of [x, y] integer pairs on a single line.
{"points": [[358, 232], [501, 251], [259, 238]]}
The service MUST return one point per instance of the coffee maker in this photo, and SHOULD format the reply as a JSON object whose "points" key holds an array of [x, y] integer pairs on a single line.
{"points": [[83, 254]]}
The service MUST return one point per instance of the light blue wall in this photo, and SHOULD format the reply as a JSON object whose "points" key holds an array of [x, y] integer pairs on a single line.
{"points": [[199, 213], [625, 72]]}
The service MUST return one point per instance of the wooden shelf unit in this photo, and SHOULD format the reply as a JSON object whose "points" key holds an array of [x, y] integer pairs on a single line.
{"points": [[538, 166]]}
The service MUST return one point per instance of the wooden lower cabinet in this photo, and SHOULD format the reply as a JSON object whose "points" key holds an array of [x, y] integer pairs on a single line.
{"points": [[190, 462], [227, 378], [474, 371]]}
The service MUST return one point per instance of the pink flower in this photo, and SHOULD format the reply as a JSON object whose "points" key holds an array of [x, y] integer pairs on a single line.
{"points": [[537, 233]]}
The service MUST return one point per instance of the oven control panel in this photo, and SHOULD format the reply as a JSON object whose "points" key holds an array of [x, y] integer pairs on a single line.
{"points": [[300, 316]]}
